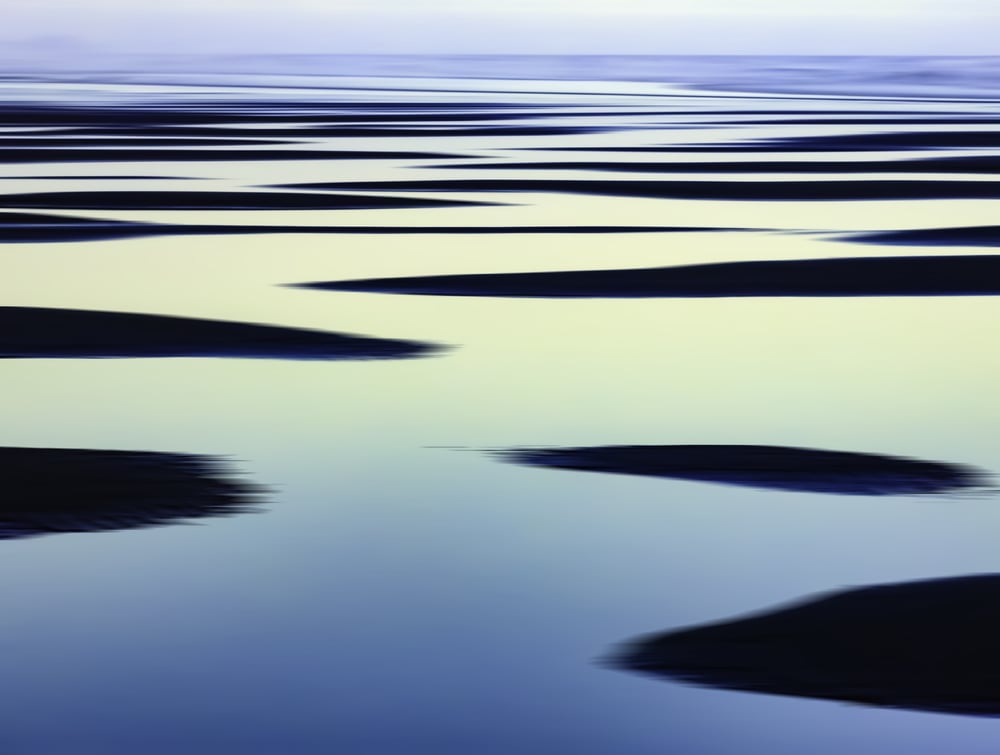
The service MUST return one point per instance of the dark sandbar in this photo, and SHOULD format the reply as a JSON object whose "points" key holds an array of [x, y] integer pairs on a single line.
{"points": [[18, 227], [829, 143], [72, 333], [89, 155], [937, 140], [315, 131], [99, 178], [902, 140], [29, 228], [325, 129], [788, 191], [449, 131], [196, 113], [215, 200], [50, 490], [380, 105], [929, 645], [770, 467], [990, 164], [31, 218], [863, 276], [125, 140], [880, 121], [987, 235]]}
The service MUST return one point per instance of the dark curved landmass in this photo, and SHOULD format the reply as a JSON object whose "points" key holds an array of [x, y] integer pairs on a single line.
{"points": [[312, 131], [729, 190], [929, 645], [87, 154], [842, 143], [75, 333], [434, 131], [50, 490], [215, 200], [21, 227], [771, 467], [393, 131], [878, 121], [327, 108], [42, 233], [873, 117], [435, 116], [989, 164], [986, 235], [46, 141], [973, 275], [901, 140], [906, 140], [101, 178], [937, 140], [220, 116], [830, 143], [223, 113], [15, 219], [39, 228], [367, 131]]}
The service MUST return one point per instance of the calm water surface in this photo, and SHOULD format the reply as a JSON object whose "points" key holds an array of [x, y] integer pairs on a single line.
{"points": [[404, 592]]}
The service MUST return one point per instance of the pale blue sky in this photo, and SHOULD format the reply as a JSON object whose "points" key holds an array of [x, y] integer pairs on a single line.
{"points": [[514, 26]]}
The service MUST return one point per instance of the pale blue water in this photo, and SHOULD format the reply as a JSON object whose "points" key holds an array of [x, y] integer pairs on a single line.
{"points": [[406, 593]]}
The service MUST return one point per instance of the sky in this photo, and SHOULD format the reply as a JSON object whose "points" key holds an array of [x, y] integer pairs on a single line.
{"points": [[650, 27]]}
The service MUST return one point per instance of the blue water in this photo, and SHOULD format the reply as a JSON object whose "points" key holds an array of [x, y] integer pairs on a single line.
{"points": [[405, 592]]}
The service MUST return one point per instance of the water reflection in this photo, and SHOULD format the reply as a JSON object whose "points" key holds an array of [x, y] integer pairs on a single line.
{"points": [[928, 645], [49, 490], [772, 467], [244, 641], [73, 333], [864, 276]]}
